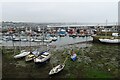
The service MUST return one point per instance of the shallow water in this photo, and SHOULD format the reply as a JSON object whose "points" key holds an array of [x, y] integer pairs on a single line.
{"points": [[60, 42]]}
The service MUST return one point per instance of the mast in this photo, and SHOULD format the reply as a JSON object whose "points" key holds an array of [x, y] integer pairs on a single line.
{"points": [[106, 26], [43, 35], [86, 36], [26, 38], [13, 43], [30, 38], [19, 39]]}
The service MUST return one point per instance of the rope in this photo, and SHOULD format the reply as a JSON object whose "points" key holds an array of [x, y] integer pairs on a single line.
{"points": [[65, 60]]}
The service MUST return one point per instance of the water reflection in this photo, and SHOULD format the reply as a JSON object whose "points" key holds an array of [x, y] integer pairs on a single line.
{"points": [[60, 42]]}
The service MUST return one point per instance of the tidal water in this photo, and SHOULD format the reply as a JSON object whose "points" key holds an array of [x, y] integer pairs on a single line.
{"points": [[60, 42]]}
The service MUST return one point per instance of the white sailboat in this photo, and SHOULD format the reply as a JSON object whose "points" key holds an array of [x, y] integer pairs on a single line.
{"points": [[23, 53], [56, 69], [43, 57], [110, 40]]}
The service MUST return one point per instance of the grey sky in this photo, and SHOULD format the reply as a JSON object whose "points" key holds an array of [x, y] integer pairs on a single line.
{"points": [[94, 12]]}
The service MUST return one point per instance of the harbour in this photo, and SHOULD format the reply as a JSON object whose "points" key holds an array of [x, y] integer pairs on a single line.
{"points": [[78, 51], [59, 40]]}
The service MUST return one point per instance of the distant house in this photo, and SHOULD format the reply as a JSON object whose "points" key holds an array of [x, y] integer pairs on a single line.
{"points": [[111, 28]]}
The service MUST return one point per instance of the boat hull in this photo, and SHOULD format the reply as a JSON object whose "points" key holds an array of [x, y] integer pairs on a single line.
{"points": [[114, 41], [22, 54], [74, 57], [29, 57], [56, 69], [42, 58]]}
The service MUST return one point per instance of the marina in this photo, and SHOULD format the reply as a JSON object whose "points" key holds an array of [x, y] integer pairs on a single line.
{"points": [[60, 42]]}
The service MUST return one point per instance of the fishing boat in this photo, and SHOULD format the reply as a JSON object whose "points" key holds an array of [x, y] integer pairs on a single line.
{"points": [[43, 57], [56, 69], [110, 40], [23, 53]]}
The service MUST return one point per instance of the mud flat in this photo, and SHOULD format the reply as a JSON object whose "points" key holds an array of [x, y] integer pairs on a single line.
{"points": [[93, 61]]}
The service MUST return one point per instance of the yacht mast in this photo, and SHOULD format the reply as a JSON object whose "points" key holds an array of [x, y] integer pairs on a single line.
{"points": [[106, 26]]}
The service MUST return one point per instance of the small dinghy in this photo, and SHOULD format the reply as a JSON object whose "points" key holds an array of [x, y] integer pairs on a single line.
{"points": [[74, 57], [23, 53], [43, 57], [56, 69]]}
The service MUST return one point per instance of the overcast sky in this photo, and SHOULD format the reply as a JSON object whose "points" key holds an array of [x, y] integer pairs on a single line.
{"points": [[92, 12]]}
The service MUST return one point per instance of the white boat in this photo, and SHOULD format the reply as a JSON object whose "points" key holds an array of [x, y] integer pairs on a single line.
{"points": [[37, 40], [48, 40], [16, 39], [31, 39], [23, 53], [115, 34], [110, 40], [6, 38], [53, 38], [56, 69], [43, 57], [23, 39]]}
